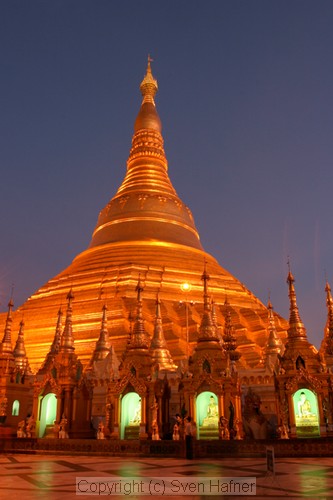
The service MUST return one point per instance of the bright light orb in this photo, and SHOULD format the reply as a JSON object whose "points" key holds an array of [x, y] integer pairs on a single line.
{"points": [[186, 287]]}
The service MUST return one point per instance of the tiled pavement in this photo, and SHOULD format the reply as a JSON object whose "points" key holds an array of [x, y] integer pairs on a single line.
{"points": [[29, 477]]}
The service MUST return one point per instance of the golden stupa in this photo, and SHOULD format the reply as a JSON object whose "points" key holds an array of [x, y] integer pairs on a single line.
{"points": [[145, 230]]}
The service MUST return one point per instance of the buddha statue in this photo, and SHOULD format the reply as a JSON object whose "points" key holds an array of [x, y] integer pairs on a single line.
{"points": [[212, 415]]}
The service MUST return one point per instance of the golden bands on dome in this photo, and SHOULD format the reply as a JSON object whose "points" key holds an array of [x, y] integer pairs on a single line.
{"points": [[147, 219], [157, 182], [122, 245]]}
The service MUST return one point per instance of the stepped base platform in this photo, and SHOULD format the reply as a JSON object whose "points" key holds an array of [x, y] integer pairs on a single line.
{"points": [[320, 447], [208, 433], [132, 432]]}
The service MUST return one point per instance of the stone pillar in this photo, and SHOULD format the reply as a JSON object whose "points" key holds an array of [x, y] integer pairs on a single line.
{"points": [[220, 402], [143, 424], [227, 398], [322, 423], [291, 416], [192, 409], [37, 408], [60, 407], [115, 401], [67, 403], [238, 416], [159, 413]]}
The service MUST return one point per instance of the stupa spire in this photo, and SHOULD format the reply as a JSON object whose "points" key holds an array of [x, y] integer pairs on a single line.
{"points": [[139, 336], [205, 278], [273, 343], [207, 330], [20, 353], [229, 337], [55, 346], [67, 340], [148, 85], [159, 350], [57, 335], [6, 344], [146, 206], [102, 348], [328, 348], [296, 328]]}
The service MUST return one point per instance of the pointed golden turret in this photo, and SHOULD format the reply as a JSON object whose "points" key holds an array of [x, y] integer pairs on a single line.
{"points": [[299, 353], [229, 337], [146, 206], [57, 336], [274, 344], [102, 348], [67, 340], [328, 347], [148, 117], [296, 328], [55, 346], [207, 330], [6, 344], [20, 355], [136, 357], [139, 338], [158, 348]]}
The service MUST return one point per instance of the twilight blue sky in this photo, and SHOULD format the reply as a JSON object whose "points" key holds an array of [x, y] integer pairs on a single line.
{"points": [[245, 98]]}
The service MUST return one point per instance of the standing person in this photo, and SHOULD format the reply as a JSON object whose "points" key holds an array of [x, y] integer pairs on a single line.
{"points": [[189, 438], [180, 423]]}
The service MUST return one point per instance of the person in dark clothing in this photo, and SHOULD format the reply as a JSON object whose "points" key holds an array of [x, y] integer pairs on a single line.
{"points": [[189, 438]]}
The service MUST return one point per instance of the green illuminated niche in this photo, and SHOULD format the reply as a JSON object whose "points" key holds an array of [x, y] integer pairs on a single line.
{"points": [[48, 412], [130, 411], [207, 410], [306, 413]]}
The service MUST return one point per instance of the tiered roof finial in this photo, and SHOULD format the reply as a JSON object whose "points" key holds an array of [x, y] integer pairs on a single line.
{"points": [[139, 336], [207, 330], [329, 333], [20, 353], [159, 351], [57, 336], [67, 340], [148, 85], [205, 278], [273, 341], [55, 346], [102, 348], [273, 344], [6, 344], [296, 327], [229, 337]]}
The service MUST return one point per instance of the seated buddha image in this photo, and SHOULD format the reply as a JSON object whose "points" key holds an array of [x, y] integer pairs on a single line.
{"points": [[304, 406], [212, 415], [136, 419]]}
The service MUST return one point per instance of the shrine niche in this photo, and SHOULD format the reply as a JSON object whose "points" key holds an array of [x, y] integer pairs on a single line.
{"points": [[47, 413], [207, 414], [130, 416], [306, 413]]}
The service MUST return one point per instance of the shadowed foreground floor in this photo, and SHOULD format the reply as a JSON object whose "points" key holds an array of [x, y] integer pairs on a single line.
{"points": [[29, 477]]}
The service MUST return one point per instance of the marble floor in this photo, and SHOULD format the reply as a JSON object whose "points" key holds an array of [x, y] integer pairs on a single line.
{"points": [[54, 477]]}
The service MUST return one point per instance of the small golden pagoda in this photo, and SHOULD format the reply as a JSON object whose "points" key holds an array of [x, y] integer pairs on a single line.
{"points": [[304, 384], [145, 230]]}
